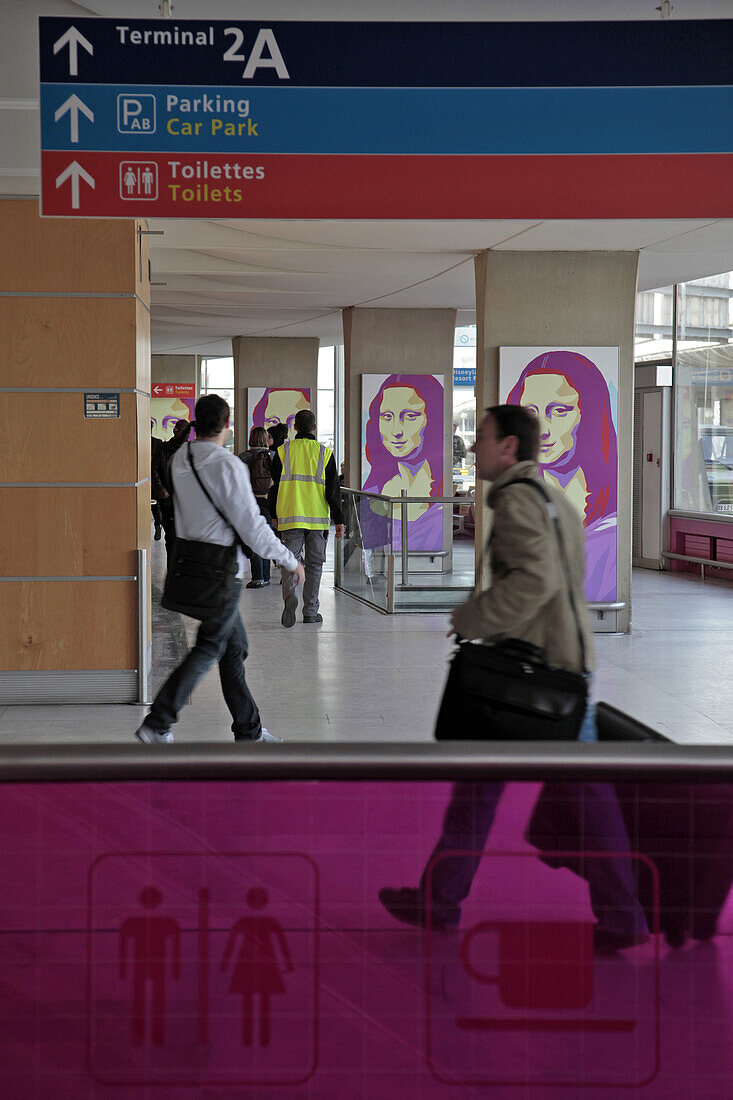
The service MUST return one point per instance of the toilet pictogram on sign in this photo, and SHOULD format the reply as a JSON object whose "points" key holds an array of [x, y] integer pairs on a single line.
{"points": [[138, 179], [197, 965]]}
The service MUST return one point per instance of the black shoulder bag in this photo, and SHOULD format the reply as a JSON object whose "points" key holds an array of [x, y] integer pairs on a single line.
{"points": [[202, 575], [508, 691]]}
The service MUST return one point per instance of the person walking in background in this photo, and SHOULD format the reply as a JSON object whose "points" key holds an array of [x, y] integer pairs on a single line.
{"points": [[214, 503], [160, 467], [155, 487], [305, 496], [459, 447], [276, 436], [258, 461]]}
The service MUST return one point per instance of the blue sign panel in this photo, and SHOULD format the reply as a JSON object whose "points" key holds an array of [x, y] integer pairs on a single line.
{"points": [[464, 376], [387, 120]]}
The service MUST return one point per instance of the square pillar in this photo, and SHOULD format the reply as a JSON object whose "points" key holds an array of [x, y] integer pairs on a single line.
{"points": [[75, 492], [562, 299]]}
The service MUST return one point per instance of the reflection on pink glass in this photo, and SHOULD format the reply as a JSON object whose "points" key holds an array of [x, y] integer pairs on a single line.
{"points": [[151, 939], [355, 1011], [256, 974]]}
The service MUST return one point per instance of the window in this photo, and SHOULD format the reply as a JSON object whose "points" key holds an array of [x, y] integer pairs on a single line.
{"points": [[325, 414], [703, 445], [217, 376]]}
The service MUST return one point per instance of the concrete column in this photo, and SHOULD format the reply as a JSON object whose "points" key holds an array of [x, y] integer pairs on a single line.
{"points": [[75, 491], [398, 341], [562, 299], [279, 361]]}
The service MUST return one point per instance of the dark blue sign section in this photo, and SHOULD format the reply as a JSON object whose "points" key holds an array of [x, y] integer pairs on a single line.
{"points": [[499, 55]]}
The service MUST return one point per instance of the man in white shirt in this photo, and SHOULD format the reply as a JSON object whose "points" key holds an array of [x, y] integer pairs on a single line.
{"points": [[221, 638]]}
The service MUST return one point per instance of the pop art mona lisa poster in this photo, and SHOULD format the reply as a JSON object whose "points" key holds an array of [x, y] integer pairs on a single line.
{"points": [[574, 392], [402, 448]]}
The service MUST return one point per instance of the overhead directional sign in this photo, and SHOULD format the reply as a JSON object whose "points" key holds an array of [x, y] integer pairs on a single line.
{"points": [[462, 120]]}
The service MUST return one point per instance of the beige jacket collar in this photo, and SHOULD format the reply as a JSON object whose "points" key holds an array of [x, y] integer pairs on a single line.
{"points": [[519, 470]]}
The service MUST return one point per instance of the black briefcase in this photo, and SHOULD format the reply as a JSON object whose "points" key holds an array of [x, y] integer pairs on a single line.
{"points": [[200, 579], [508, 692]]}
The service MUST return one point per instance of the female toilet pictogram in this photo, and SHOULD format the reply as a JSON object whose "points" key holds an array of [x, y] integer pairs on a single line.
{"points": [[256, 971]]}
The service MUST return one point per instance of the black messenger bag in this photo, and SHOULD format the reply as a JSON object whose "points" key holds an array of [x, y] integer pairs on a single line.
{"points": [[202, 575], [508, 691]]}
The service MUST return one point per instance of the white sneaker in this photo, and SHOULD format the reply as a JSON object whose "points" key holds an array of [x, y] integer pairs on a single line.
{"points": [[267, 736], [152, 737]]}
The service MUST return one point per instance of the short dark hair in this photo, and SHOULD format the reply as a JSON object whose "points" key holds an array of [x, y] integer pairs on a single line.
{"points": [[212, 413], [305, 422], [521, 422], [278, 434]]}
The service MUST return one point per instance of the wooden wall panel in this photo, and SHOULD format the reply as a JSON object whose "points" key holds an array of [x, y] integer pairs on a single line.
{"points": [[142, 348], [142, 267], [68, 532], [69, 625], [51, 342], [143, 516], [71, 254], [62, 445], [143, 437]]}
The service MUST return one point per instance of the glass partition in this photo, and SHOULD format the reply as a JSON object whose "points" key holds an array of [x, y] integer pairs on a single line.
{"points": [[175, 937], [375, 565]]}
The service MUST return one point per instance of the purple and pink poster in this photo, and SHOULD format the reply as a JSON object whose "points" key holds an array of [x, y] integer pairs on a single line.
{"points": [[267, 406], [574, 392], [169, 403], [402, 448]]}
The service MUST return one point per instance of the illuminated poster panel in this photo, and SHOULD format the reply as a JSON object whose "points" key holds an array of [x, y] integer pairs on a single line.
{"points": [[574, 391], [169, 403], [267, 406], [402, 443]]}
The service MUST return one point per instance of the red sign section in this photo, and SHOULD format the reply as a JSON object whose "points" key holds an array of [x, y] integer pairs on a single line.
{"points": [[109, 185]]}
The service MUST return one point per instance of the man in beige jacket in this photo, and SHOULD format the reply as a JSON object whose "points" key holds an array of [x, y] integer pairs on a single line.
{"points": [[528, 595], [528, 598]]}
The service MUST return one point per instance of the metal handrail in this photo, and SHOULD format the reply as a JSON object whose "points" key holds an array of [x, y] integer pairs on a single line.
{"points": [[411, 499], [531, 761]]}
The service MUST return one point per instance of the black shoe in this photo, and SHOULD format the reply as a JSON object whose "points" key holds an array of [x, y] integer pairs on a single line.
{"points": [[288, 616], [607, 943], [255, 584], [313, 618], [156, 536], [265, 584], [405, 905]]}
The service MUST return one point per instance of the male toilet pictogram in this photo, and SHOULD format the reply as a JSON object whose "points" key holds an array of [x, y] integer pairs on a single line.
{"points": [[155, 943]]}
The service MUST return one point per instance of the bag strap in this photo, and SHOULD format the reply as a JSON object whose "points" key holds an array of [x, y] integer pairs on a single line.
{"points": [[237, 539], [552, 510]]}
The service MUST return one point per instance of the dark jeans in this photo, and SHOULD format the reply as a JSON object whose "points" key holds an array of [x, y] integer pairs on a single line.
{"points": [[466, 826], [260, 566], [221, 639], [168, 520]]}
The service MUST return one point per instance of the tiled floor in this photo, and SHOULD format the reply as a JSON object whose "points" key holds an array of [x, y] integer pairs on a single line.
{"points": [[362, 676]]}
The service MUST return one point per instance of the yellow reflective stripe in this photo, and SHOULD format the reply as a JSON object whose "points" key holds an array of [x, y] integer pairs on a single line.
{"points": [[321, 462], [301, 519], [286, 461], [305, 477]]}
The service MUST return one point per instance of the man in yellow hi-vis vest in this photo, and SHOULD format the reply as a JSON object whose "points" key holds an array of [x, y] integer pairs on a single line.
{"points": [[305, 497]]}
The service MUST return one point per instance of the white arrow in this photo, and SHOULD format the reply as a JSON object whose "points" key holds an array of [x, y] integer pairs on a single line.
{"points": [[73, 105], [73, 39], [76, 172], [157, 389]]}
